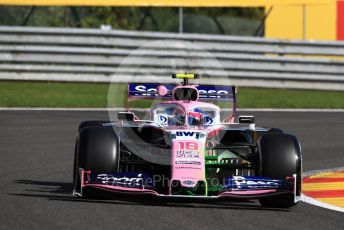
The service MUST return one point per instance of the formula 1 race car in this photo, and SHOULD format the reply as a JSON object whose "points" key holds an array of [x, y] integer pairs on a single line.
{"points": [[186, 150]]}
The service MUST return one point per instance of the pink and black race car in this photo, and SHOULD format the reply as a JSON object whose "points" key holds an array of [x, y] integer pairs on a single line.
{"points": [[186, 150]]}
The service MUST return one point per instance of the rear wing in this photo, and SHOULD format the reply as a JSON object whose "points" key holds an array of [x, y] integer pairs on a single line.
{"points": [[206, 92]]}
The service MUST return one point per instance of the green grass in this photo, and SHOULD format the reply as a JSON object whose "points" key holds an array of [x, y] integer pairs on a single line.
{"points": [[48, 94], [289, 98]]}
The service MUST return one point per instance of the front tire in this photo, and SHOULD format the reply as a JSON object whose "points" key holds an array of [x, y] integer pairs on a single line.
{"points": [[92, 123], [97, 150], [280, 157]]}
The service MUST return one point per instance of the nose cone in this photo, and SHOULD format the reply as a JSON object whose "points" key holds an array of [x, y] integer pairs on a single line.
{"points": [[188, 163]]}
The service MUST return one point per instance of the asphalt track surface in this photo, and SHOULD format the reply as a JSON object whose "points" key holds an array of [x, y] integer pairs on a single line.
{"points": [[36, 163]]}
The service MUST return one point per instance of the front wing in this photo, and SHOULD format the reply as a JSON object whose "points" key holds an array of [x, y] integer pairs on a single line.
{"points": [[237, 187]]}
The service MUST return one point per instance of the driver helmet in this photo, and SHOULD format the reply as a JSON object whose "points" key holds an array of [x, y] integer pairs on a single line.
{"points": [[177, 115], [195, 116]]}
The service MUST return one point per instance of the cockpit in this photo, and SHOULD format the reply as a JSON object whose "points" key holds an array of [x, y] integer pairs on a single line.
{"points": [[175, 114]]}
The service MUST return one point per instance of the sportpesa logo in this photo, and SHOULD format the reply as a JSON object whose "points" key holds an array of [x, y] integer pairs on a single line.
{"points": [[205, 91]]}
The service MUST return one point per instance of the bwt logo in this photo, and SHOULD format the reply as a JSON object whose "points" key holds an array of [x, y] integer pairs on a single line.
{"points": [[187, 134]]}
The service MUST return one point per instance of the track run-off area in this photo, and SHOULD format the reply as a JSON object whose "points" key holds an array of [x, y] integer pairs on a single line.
{"points": [[36, 161], [325, 188]]}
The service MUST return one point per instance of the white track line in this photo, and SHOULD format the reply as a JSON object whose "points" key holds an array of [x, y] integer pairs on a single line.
{"points": [[289, 110], [64, 109], [140, 109], [310, 173], [315, 202]]}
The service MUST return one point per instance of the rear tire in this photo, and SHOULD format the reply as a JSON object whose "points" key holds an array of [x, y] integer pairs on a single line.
{"points": [[97, 150], [280, 157]]}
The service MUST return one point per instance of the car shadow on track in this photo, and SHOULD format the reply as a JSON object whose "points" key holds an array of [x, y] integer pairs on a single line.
{"points": [[62, 191]]}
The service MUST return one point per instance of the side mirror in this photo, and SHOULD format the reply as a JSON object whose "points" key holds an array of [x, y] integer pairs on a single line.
{"points": [[126, 116], [246, 119]]}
